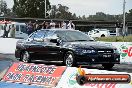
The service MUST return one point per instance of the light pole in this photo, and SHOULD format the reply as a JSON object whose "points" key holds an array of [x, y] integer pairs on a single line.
{"points": [[45, 9], [124, 19]]}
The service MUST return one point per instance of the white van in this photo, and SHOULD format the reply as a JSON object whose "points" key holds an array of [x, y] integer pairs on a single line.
{"points": [[20, 30]]}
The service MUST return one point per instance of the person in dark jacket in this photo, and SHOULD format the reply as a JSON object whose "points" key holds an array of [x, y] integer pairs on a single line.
{"points": [[6, 30], [30, 28]]}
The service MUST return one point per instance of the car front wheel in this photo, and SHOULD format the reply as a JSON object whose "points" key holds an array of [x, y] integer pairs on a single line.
{"points": [[102, 35], [107, 66], [25, 57], [69, 59]]}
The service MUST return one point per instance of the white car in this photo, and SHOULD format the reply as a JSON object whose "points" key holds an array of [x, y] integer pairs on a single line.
{"points": [[99, 33], [21, 30]]}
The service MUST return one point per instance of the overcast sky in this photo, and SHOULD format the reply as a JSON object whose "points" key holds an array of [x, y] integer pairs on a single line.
{"points": [[90, 7]]}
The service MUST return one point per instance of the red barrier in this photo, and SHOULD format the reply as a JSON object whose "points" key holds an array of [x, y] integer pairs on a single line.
{"points": [[34, 74]]}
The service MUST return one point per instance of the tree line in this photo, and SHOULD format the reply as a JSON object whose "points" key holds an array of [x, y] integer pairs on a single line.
{"points": [[36, 9]]}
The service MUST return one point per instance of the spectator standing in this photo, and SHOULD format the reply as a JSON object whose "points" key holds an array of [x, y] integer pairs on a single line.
{"points": [[47, 25], [6, 31], [70, 25], [52, 25], [57, 25], [44, 25], [63, 25], [29, 28], [34, 26], [12, 31], [39, 27]]}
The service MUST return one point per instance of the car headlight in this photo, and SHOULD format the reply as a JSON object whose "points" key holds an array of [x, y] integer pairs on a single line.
{"points": [[116, 51], [88, 51]]}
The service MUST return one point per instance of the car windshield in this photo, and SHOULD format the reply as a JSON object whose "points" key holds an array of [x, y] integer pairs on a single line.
{"points": [[71, 36]]}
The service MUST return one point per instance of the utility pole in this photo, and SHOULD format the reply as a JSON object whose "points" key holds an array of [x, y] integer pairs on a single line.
{"points": [[45, 9], [124, 19]]}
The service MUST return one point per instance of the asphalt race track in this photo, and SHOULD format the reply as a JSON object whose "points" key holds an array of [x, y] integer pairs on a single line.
{"points": [[7, 59]]}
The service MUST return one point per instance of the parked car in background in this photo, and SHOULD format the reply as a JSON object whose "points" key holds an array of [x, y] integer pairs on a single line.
{"points": [[112, 33], [20, 29], [99, 33], [70, 47]]}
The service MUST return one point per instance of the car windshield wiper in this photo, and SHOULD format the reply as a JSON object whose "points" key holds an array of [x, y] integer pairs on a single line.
{"points": [[80, 40], [90, 40]]}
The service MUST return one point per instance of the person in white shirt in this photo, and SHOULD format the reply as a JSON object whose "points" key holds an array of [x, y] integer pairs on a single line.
{"points": [[63, 25], [70, 25], [52, 25], [12, 31]]}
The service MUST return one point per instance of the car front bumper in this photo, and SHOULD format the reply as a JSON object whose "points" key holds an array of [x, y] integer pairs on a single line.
{"points": [[97, 59], [17, 53]]}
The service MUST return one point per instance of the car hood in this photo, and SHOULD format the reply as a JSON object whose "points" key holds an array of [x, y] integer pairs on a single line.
{"points": [[21, 41], [89, 45]]}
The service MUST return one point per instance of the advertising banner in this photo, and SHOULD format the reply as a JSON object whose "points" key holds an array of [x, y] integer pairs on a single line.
{"points": [[68, 80], [37, 74], [125, 50]]}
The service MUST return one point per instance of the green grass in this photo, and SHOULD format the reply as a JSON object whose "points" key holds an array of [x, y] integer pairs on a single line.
{"points": [[115, 39]]}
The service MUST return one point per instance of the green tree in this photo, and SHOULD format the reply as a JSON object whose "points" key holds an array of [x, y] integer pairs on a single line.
{"points": [[31, 8], [61, 12], [84, 17], [74, 16], [118, 17], [79, 18], [10, 13], [3, 7], [53, 11], [129, 15], [100, 16]]}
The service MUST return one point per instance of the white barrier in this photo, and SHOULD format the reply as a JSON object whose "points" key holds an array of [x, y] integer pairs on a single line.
{"points": [[125, 50], [68, 79], [8, 45]]}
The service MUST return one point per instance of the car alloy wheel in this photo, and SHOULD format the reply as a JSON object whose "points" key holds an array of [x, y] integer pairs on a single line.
{"points": [[69, 59], [25, 57]]}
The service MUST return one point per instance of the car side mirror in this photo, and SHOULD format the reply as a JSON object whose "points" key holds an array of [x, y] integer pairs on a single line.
{"points": [[97, 32], [57, 41], [54, 40]]}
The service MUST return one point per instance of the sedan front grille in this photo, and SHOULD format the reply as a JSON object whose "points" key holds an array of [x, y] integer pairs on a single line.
{"points": [[105, 51]]}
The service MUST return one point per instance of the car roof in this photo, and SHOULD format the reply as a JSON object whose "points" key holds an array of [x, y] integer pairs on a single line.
{"points": [[17, 23]]}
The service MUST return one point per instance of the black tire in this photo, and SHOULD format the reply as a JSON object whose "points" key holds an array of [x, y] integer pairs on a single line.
{"points": [[102, 35], [108, 66], [69, 59], [25, 57], [81, 80]]}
